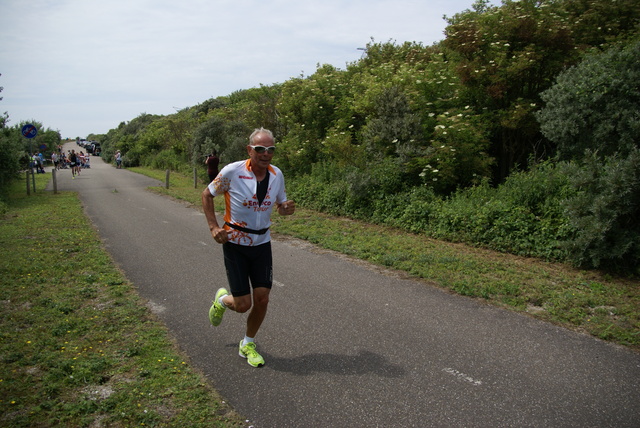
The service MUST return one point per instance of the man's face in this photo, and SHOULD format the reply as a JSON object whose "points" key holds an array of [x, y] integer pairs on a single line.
{"points": [[262, 160]]}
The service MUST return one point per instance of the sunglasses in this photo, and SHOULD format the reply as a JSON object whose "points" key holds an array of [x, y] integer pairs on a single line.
{"points": [[262, 149]]}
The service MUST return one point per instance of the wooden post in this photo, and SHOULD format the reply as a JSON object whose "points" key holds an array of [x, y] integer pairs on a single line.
{"points": [[166, 180], [195, 178]]}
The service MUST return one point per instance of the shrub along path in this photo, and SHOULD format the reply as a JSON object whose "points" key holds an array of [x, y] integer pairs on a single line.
{"points": [[346, 344]]}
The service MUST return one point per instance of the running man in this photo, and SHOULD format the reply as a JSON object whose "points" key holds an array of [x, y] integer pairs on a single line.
{"points": [[251, 189]]}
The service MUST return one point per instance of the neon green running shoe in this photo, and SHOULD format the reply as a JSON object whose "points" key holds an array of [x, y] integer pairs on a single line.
{"points": [[249, 352], [217, 310]]}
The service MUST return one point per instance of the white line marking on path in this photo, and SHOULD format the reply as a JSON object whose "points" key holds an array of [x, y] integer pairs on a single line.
{"points": [[462, 376]]}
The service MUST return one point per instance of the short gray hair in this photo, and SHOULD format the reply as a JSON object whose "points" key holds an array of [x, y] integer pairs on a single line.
{"points": [[260, 131]]}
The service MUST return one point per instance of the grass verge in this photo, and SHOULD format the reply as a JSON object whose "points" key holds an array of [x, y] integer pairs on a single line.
{"points": [[78, 346], [587, 301]]}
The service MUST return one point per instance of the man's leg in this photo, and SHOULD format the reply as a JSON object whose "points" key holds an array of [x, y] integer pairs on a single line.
{"points": [[247, 347], [237, 304], [258, 311]]}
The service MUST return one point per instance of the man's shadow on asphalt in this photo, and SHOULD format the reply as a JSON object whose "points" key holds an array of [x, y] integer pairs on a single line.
{"points": [[364, 362]]}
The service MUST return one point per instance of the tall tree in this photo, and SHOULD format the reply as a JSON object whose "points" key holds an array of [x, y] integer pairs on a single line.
{"points": [[602, 22], [595, 105], [506, 56]]}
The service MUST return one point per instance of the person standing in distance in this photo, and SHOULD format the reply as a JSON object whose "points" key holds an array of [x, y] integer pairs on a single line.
{"points": [[118, 157], [251, 189], [212, 161]]}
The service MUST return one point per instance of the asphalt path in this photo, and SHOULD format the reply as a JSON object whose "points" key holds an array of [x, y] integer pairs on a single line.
{"points": [[347, 344]]}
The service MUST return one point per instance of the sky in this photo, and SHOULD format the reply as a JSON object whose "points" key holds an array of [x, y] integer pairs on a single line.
{"points": [[85, 66]]}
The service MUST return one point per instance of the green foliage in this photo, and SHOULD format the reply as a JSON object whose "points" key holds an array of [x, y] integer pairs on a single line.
{"points": [[308, 109], [169, 159], [506, 56], [411, 210], [324, 188], [523, 216], [457, 156], [15, 150], [394, 130], [208, 137], [604, 212], [256, 107], [125, 138], [601, 137], [602, 22], [605, 87], [227, 138], [11, 151], [349, 190], [45, 142], [312, 101], [209, 105]]}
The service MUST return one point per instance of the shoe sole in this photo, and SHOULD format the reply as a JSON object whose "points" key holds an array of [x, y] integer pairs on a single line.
{"points": [[259, 365], [245, 357]]}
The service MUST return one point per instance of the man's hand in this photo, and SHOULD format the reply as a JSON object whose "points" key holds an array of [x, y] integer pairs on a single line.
{"points": [[287, 208], [220, 235]]}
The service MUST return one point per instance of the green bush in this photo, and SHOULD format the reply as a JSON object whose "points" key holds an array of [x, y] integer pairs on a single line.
{"points": [[523, 216], [411, 210], [11, 150], [604, 212], [605, 87], [348, 190], [316, 191], [168, 159], [131, 158]]}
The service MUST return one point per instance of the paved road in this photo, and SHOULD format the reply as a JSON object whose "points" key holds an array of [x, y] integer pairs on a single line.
{"points": [[347, 345]]}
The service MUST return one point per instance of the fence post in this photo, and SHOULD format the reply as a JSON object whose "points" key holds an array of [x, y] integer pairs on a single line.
{"points": [[195, 178], [166, 180]]}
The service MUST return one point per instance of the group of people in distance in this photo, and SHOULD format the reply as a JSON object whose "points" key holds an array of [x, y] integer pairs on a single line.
{"points": [[72, 159], [77, 161], [37, 162], [62, 160]]}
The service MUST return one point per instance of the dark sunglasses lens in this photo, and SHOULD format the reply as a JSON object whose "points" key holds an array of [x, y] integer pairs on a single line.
{"points": [[262, 149]]}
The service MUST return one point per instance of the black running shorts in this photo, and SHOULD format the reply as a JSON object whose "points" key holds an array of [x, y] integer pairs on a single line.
{"points": [[244, 264]]}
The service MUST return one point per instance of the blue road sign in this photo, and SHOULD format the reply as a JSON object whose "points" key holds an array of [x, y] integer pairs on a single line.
{"points": [[29, 130]]}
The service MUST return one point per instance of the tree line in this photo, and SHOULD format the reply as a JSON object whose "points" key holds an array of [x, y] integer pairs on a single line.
{"points": [[517, 132]]}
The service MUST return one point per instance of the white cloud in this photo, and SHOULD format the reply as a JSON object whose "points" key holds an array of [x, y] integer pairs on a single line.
{"points": [[84, 66]]}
